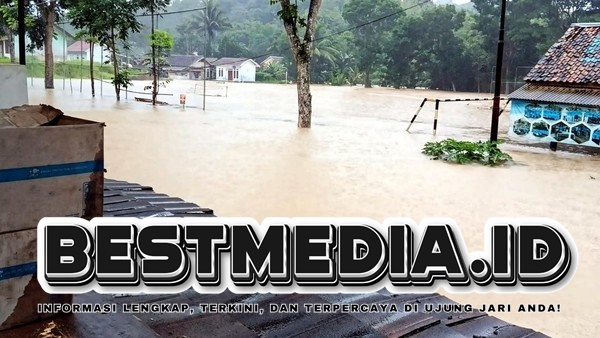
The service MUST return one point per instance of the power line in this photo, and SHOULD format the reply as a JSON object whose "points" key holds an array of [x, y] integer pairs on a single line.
{"points": [[161, 14], [357, 26], [175, 12], [373, 21]]}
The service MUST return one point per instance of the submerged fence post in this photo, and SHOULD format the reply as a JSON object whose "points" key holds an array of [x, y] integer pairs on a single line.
{"points": [[416, 114], [435, 119]]}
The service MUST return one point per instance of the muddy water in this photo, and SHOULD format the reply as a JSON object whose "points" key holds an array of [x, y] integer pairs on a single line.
{"points": [[244, 156]]}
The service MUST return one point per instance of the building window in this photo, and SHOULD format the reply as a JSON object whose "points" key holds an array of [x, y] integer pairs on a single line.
{"points": [[220, 72], [236, 74]]}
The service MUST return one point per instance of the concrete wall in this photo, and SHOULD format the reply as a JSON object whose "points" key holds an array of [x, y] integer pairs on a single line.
{"points": [[13, 86]]}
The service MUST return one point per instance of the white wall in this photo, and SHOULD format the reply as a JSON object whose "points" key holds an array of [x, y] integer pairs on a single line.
{"points": [[13, 85], [98, 55], [247, 72], [219, 76]]}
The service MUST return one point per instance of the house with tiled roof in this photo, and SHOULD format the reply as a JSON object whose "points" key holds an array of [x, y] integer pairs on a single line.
{"points": [[225, 69], [267, 60], [179, 65], [560, 101], [82, 50]]}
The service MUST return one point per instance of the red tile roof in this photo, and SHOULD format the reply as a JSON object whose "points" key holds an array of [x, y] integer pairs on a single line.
{"points": [[78, 46], [573, 60]]}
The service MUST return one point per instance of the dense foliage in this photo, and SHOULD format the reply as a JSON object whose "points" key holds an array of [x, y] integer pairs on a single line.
{"points": [[417, 43], [463, 152]]}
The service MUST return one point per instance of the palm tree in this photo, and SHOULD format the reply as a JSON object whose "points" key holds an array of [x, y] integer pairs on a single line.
{"points": [[322, 50], [212, 21]]}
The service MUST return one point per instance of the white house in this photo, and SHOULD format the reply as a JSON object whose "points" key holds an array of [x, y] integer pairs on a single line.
{"points": [[81, 50], [61, 40], [4, 47], [235, 69]]}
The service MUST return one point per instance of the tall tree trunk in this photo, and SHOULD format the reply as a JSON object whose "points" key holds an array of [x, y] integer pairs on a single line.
{"points": [[368, 77], [48, 54], [11, 46], [92, 67], [302, 51], [304, 95], [154, 75], [114, 61]]}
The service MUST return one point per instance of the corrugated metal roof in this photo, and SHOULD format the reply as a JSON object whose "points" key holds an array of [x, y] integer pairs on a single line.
{"points": [[124, 199], [130, 199], [574, 59], [555, 94]]}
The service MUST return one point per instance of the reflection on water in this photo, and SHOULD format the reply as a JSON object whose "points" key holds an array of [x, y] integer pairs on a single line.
{"points": [[244, 156]]}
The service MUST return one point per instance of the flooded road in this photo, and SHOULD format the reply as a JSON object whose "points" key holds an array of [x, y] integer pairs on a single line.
{"points": [[244, 156]]}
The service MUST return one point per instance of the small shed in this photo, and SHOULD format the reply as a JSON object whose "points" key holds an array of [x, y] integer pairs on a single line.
{"points": [[560, 101]]}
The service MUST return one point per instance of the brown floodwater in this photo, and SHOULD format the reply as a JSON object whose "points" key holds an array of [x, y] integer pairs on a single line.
{"points": [[244, 156]]}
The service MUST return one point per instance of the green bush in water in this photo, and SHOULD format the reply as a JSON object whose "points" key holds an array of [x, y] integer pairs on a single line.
{"points": [[463, 152]]}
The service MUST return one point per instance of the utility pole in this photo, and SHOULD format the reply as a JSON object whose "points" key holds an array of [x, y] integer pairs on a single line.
{"points": [[204, 75], [498, 84], [21, 22], [153, 42]]}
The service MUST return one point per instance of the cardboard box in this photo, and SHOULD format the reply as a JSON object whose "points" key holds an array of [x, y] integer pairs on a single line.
{"points": [[50, 165]]}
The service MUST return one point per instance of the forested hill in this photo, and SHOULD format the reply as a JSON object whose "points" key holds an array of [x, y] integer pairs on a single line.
{"points": [[424, 44]]}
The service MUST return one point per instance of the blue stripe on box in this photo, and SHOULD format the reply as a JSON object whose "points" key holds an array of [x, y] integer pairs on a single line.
{"points": [[54, 170], [18, 270]]}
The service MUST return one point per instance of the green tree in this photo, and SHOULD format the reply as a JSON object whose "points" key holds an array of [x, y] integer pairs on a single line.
{"points": [[162, 43], [329, 48], [34, 26], [301, 33], [41, 17], [211, 21], [188, 39], [368, 35], [92, 40], [50, 11], [162, 40], [111, 22], [570, 11], [473, 42], [230, 46]]}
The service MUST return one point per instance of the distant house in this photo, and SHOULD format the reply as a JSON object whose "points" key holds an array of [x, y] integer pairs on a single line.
{"points": [[560, 101], [235, 69], [81, 50], [4, 47], [266, 60], [199, 69], [63, 37], [224, 69], [179, 65]]}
